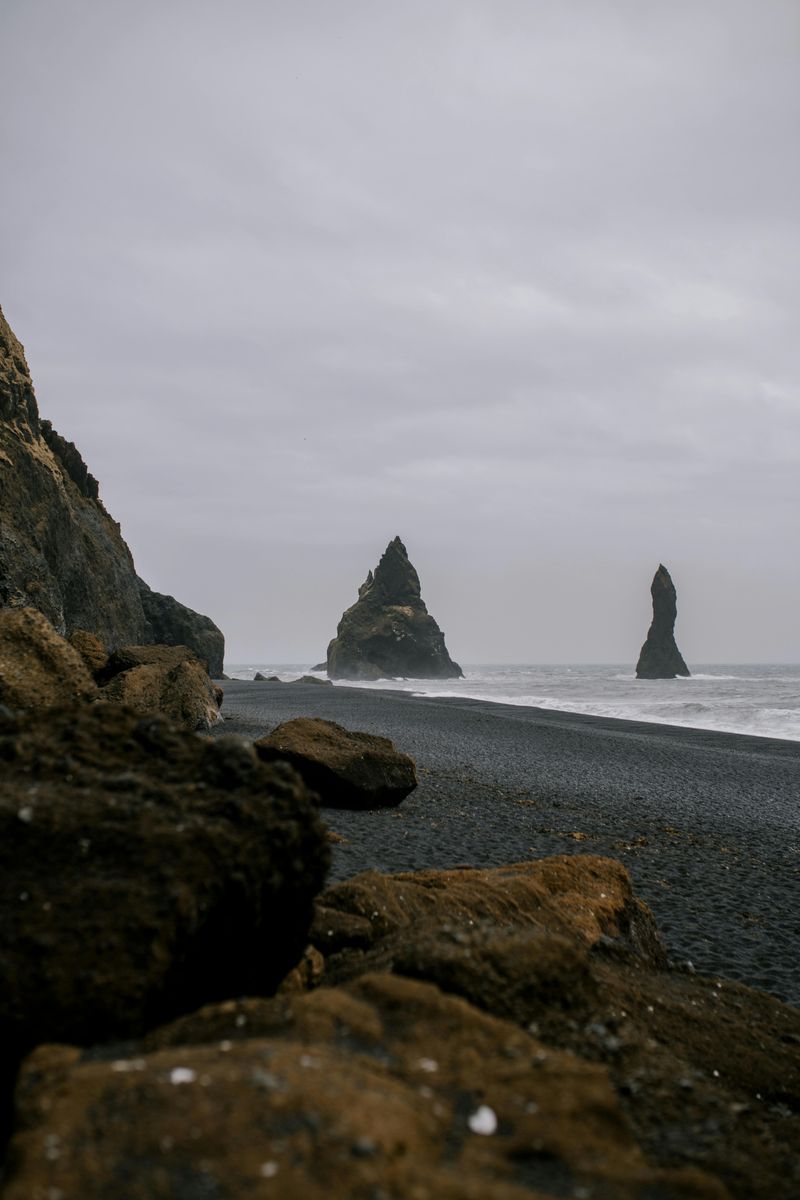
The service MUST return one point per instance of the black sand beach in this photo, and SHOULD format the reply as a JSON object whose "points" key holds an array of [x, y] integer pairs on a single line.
{"points": [[707, 823]]}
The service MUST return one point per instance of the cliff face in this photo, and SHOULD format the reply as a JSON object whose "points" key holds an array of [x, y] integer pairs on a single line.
{"points": [[660, 657], [389, 631], [60, 551]]}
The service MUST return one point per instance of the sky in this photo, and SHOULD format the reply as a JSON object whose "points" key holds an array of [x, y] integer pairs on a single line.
{"points": [[517, 280]]}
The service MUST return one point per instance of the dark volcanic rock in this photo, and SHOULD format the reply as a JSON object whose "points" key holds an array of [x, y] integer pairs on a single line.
{"points": [[60, 551], [143, 871], [126, 658], [312, 679], [660, 657], [389, 631], [348, 769], [175, 624], [386, 1088]]}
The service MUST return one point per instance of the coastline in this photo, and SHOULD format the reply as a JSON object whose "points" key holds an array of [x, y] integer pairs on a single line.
{"points": [[708, 823], [753, 699]]}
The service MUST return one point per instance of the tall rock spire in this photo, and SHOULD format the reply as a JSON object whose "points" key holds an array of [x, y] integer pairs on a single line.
{"points": [[660, 657], [389, 631]]}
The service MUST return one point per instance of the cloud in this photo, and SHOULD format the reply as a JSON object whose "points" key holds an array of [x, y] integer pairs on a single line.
{"points": [[518, 282]]}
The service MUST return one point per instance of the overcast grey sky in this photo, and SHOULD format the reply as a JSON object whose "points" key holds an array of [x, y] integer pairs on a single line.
{"points": [[514, 279]]}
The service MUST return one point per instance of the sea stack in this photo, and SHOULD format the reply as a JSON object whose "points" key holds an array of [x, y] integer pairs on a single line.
{"points": [[389, 631], [60, 550], [660, 657]]}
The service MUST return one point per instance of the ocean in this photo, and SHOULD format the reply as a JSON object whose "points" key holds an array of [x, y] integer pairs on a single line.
{"points": [[760, 699]]}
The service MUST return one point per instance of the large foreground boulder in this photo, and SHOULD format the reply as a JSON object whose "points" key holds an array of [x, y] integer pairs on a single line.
{"points": [[60, 550], [348, 769], [510, 1035], [37, 667], [387, 1088], [143, 871], [389, 631], [660, 657]]}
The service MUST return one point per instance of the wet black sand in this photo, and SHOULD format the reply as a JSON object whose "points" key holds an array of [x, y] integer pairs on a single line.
{"points": [[707, 823]]}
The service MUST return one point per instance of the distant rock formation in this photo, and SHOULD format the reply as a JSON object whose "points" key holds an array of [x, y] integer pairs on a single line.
{"points": [[60, 551], [389, 631], [660, 657]]}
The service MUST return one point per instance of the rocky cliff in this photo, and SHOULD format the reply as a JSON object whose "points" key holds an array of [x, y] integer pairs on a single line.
{"points": [[60, 551], [389, 631], [660, 657]]}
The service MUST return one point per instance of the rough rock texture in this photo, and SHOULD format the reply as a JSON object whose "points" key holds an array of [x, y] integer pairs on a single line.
{"points": [[660, 657], [91, 650], [126, 658], [347, 769], [37, 667], [584, 898], [386, 1088], [184, 692], [259, 678], [707, 1071], [174, 624], [541, 1050], [389, 631], [143, 871], [60, 551], [312, 679]]}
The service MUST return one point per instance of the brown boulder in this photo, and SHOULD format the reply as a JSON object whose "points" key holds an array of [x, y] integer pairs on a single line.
{"points": [[38, 668], [707, 1071], [184, 693], [348, 769], [583, 898], [125, 658], [385, 1088], [169, 680], [91, 650], [143, 872]]}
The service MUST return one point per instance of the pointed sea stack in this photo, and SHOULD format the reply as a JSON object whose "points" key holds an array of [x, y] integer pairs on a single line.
{"points": [[389, 631], [60, 550], [660, 658]]}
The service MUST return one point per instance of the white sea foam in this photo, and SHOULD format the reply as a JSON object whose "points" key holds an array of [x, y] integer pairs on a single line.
{"points": [[760, 700]]}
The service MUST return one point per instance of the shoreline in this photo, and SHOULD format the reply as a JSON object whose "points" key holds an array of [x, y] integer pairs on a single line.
{"points": [[707, 822], [558, 705]]}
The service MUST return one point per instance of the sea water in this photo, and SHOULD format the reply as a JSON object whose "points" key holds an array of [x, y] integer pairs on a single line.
{"points": [[763, 700]]}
